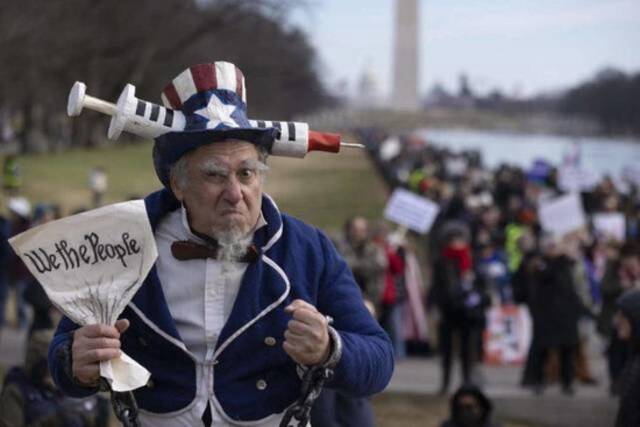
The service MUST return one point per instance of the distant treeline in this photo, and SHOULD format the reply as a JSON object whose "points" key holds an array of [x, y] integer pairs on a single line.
{"points": [[47, 45], [612, 98]]}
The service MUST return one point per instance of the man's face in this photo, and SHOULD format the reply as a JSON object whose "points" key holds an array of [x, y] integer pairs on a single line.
{"points": [[359, 231], [223, 188]]}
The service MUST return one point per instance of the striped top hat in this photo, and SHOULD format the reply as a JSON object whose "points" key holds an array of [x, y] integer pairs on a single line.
{"points": [[213, 98]]}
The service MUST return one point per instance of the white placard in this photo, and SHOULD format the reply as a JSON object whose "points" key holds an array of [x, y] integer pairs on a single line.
{"points": [[577, 179], [562, 215], [410, 210], [91, 265], [456, 166], [390, 148], [612, 225]]}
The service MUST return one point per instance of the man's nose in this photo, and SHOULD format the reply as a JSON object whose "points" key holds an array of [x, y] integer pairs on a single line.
{"points": [[233, 190]]}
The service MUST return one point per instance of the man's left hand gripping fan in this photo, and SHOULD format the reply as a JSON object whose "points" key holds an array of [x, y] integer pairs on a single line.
{"points": [[91, 265]]}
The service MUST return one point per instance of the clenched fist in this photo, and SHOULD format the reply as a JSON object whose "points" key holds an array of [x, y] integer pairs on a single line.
{"points": [[93, 344], [307, 335]]}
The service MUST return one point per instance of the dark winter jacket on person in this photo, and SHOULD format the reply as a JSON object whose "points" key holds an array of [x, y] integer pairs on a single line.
{"points": [[629, 412], [457, 301], [545, 284], [29, 399], [611, 289]]}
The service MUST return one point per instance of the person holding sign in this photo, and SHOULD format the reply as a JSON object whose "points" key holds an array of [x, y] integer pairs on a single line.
{"points": [[239, 302]]}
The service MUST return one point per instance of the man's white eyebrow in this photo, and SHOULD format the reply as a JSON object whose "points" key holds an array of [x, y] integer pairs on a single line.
{"points": [[215, 167], [254, 164]]}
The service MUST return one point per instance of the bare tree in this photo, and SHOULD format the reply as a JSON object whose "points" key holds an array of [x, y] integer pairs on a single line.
{"points": [[46, 46]]}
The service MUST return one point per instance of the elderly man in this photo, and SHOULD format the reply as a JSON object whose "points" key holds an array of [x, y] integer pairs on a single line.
{"points": [[236, 305]]}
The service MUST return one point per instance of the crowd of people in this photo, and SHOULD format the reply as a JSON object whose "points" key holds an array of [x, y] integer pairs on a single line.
{"points": [[488, 247]]}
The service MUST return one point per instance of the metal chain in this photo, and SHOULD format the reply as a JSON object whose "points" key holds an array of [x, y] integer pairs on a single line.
{"points": [[125, 407], [312, 382]]}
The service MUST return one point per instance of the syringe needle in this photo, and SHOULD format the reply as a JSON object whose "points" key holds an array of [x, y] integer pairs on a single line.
{"points": [[351, 145]]}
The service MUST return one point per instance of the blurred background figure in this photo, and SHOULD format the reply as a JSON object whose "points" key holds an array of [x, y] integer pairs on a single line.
{"points": [[555, 308], [622, 273], [460, 301], [469, 408], [365, 259], [18, 275], [627, 325], [98, 184], [394, 292], [11, 175], [29, 398]]}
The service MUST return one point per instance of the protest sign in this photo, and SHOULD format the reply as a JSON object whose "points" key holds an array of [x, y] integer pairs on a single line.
{"points": [[611, 225], [577, 179], [90, 265], [410, 210], [562, 215], [508, 335]]}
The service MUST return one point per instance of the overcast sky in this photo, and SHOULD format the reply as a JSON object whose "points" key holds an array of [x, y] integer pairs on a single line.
{"points": [[526, 46]]}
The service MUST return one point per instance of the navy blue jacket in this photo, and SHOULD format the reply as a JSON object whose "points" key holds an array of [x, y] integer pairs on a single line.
{"points": [[297, 261]]}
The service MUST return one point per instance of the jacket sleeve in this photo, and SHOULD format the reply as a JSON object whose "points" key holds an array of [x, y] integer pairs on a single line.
{"points": [[56, 361], [367, 361]]}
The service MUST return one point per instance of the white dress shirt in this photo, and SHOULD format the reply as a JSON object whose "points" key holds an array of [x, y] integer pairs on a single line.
{"points": [[200, 294]]}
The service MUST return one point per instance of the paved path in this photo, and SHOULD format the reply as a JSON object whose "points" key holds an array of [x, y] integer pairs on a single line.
{"points": [[590, 406]]}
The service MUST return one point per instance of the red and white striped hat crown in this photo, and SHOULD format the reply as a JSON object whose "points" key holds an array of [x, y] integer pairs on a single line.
{"points": [[200, 78]]}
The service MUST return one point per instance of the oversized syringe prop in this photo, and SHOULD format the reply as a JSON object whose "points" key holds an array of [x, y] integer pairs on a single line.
{"points": [[150, 120]]}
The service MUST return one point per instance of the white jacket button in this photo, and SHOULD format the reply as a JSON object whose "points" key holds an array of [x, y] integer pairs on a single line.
{"points": [[261, 384], [270, 341]]}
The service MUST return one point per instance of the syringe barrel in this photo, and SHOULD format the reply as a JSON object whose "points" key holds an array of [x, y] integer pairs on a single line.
{"points": [[292, 139], [151, 120]]}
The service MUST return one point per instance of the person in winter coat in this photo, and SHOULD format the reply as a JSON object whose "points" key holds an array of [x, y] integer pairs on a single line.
{"points": [[365, 259], [621, 274], [30, 399], [460, 302], [627, 323], [555, 309]]}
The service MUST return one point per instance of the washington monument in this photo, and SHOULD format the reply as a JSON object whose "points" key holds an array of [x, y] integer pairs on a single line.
{"points": [[405, 56]]}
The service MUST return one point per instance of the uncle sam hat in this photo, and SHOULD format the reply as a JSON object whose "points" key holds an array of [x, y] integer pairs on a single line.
{"points": [[213, 99]]}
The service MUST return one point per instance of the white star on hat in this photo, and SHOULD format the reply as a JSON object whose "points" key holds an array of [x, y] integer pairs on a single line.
{"points": [[218, 112]]}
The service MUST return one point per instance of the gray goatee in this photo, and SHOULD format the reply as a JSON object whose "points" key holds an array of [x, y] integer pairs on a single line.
{"points": [[232, 244]]}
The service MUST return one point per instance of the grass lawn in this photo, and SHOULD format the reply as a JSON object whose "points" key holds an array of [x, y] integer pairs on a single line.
{"points": [[322, 189]]}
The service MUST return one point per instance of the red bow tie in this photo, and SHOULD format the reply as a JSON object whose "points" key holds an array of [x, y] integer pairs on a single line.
{"points": [[185, 250]]}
